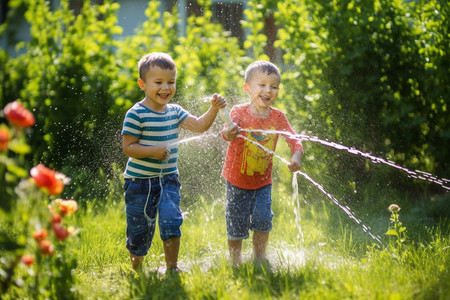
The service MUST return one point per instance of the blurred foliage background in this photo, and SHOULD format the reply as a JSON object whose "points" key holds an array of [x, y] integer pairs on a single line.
{"points": [[373, 75]]}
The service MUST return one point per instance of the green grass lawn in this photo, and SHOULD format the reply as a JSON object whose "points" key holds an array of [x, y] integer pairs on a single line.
{"points": [[323, 256], [316, 251]]}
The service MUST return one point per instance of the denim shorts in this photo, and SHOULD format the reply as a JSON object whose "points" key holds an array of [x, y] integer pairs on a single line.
{"points": [[248, 210], [144, 199]]}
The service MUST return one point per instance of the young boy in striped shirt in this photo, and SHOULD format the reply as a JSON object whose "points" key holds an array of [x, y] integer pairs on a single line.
{"points": [[150, 140]]}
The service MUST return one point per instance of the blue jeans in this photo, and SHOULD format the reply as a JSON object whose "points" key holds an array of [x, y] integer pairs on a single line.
{"points": [[144, 199], [248, 210]]}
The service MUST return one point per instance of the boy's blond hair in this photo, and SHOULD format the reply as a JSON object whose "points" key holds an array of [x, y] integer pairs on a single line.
{"points": [[155, 59], [260, 66]]}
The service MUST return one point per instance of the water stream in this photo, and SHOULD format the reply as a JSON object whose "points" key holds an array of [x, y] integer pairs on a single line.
{"points": [[346, 209], [417, 174], [192, 138]]}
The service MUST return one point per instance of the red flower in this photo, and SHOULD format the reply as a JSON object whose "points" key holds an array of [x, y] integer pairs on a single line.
{"points": [[67, 207], [4, 139], [60, 232], [27, 259], [18, 115], [46, 247], [56, 218], [51, 181], [40, 235]]}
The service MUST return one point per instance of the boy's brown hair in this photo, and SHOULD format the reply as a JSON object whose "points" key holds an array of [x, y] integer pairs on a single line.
{"points": [[155, 59], [260, 66]]}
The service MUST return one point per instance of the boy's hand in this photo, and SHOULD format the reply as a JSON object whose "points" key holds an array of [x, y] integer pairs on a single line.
{"points": [[295, 164], [231, 132], [161, 153], [218, 102]]}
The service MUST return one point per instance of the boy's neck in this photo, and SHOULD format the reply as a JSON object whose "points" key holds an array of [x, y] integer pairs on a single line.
{"points": [[152, 106], [260, 112]]}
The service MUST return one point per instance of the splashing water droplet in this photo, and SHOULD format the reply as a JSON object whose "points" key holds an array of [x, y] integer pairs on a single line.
{"points": [[417, 174], [344, 208]]}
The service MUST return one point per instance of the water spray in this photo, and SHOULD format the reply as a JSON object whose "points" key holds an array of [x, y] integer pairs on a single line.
{"points": [[225, 116], [223, 112], [346, 209], [417, 174], [443, 182]]}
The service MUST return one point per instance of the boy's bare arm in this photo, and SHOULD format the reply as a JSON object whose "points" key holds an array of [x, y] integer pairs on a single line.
{"points": [[203, 123], [295, 164], [132, 148]]}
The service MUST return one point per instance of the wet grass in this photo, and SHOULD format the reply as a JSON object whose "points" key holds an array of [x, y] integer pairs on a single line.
{"points": [[325, 256]]}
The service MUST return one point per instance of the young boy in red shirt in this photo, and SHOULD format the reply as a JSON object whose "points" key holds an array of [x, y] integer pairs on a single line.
{"points": [[248, 168]]}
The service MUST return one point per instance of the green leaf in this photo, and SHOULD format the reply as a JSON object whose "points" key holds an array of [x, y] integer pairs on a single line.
{"points": [[19, 147], [6, 243], [391, 232], [17, 170]]}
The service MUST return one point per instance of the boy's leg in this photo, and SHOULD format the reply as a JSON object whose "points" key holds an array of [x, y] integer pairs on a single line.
{"points": [[170, 219], [261, 221], [171, 248], [139, 231], [260, 240], [235, 248], [237, 217], [136, 261]]}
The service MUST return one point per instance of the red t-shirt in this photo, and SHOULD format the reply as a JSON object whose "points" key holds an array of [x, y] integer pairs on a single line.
{"points": [[246, 165]]}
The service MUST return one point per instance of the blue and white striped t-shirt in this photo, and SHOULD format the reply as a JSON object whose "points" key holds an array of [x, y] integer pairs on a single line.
{"points": [[158, 129]]}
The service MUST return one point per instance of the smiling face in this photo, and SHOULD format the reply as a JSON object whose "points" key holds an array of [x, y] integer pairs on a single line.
{"points": [[159, 87], [263, 90]]}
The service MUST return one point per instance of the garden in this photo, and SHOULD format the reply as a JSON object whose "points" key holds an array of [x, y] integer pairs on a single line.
{"points": [[365, 86]]}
